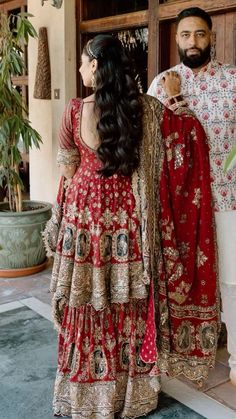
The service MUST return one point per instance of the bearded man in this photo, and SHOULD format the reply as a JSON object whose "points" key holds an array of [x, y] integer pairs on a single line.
{"points": [[208, 87]]}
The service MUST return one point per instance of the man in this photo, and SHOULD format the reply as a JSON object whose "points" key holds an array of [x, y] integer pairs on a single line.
{"points": [[209, 89]]}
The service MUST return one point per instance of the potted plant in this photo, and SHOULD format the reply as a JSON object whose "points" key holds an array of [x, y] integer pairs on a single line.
{"points": [[21, 222]]}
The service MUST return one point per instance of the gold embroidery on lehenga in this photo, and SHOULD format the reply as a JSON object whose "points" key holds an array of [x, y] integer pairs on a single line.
{"points": [[197, 197], [140, 366], [121, 216], [167, 228], [181, 292], [72, 211], [106, 246], [164, 315], [110, 343], [178, 156], [86, 346], [171, 252], [103, 399], [85, 216], [68, 245], [140, 327], [184, 249], [127, 326], [207, 337], [107, 218], [200, 258], [125, 356], [98, 363], [84, 283], [82, 248], [120, 245], [184, 337]]}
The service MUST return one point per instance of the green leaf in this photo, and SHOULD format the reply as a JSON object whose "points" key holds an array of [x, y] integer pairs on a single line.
{"points": [[17, 63], [15, 129], [231, 160]]}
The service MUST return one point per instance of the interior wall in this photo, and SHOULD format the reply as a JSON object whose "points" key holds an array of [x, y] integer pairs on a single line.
{"points": [[45, 115]]}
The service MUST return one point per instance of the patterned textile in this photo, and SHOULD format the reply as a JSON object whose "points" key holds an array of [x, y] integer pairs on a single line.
{"points": [[100, 371], [211, 94], [134, 276]]}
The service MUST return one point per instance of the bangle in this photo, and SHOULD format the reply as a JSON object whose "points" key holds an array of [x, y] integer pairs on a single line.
{"points": [[177, 105], [175, 99]]}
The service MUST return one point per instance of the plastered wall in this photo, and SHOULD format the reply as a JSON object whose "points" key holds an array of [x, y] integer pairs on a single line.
{"points": [[45, 115]]}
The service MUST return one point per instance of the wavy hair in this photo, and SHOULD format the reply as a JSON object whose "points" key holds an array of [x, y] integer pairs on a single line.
{"points": [[117, 100]]}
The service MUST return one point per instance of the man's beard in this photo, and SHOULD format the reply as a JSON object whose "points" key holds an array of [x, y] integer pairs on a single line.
{"points": [[195, 61]]}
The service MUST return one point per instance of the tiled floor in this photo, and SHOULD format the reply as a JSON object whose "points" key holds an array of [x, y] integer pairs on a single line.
{"points": [[217, 400]]}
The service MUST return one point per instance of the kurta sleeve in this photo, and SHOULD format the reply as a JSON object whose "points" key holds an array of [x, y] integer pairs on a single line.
{"points": [[68, 156], [68, 159]]}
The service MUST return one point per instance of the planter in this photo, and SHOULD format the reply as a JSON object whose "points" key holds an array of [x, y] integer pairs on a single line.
{"points": [[21, 243]]}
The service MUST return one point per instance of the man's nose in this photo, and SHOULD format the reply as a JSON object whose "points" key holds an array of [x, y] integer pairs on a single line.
{"points": [[192, 40]]}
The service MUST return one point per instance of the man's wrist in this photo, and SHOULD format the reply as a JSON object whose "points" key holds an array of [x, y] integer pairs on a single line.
{"points": [[175, 98], [176, 101]]}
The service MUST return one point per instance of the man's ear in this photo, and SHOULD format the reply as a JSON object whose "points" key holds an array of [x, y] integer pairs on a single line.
{"points": [[211, 37]]}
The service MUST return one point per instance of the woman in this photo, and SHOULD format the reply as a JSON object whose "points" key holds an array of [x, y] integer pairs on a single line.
{"points": [[134, 265]]}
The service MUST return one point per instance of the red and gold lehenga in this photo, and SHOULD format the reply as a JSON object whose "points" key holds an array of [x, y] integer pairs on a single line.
{"points": [[134, 276]]}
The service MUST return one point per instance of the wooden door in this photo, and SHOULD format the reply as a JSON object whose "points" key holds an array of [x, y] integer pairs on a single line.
{"points": [[223, 14], [126, 18]]}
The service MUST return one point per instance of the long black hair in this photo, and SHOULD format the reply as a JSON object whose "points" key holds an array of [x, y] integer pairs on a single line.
{"points": [[117, 100]]}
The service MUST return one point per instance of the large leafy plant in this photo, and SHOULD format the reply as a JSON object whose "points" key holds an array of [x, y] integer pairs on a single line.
{"points": [[15, 128]]}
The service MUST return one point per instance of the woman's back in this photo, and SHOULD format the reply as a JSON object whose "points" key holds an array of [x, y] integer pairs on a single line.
{"points": [[88, 123]]}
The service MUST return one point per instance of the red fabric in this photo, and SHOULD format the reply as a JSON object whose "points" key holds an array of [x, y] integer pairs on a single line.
{"points": [[100, 197], [186, 279], [148, 351], [193, 222], [104, 343], [186, 222]]}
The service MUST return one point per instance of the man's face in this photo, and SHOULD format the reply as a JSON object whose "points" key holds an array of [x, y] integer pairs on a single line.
{"points": [[193, 38]]}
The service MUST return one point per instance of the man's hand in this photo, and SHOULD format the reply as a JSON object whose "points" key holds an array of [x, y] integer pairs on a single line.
{"points": [[171, 83]]}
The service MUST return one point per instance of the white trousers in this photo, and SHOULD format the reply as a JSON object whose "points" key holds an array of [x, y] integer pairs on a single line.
{"points": [[226, 240]]}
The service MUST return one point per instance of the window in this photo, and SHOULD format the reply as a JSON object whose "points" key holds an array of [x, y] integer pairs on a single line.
{"points": [[95, 9]]}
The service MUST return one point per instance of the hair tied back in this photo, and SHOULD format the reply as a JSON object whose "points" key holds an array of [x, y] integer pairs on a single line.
{"points": [[90, 52]]}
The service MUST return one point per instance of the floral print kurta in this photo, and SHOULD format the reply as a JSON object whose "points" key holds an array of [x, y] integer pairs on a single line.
{"points": [[211, 94]]}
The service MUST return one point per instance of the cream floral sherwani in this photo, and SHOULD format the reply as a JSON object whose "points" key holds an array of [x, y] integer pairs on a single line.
{"points": [[211, 94]]}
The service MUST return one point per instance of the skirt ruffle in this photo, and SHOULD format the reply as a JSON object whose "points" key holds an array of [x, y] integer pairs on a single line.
{"points": [[100, 371]]}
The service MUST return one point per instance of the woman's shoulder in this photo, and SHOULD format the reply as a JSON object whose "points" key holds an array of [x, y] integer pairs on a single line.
{"points": [[78, 101]]}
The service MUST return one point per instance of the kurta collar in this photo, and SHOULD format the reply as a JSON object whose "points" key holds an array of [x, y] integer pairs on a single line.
{"points": [[208, 68]]}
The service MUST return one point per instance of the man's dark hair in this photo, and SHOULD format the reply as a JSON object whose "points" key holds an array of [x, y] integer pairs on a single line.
{"points": [[195, 11]]}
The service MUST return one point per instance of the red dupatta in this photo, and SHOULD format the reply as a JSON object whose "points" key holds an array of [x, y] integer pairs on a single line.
{"points": [[185, 292]]}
